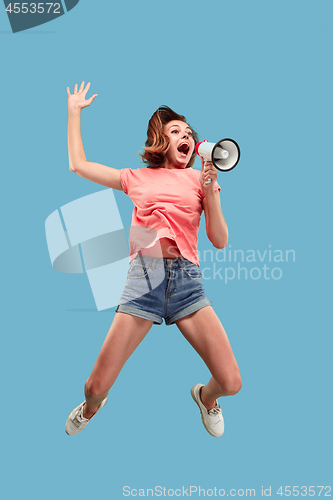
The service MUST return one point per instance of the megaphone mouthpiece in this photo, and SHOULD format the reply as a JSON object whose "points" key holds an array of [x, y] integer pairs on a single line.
{"points": [[223, 154]]}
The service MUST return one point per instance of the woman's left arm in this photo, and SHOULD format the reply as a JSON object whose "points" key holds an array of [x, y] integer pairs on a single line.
{"points": [[216, 226]]}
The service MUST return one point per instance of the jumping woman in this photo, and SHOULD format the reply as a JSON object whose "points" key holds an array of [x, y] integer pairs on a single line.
{"points": [[163, 280]]}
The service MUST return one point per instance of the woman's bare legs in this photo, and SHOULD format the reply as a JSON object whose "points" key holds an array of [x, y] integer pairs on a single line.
{"points": [[124, 336], [205, 333]]}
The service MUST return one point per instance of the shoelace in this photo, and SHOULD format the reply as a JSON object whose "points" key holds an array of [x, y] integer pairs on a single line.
{"points": [[78, 419], [215, 411]]}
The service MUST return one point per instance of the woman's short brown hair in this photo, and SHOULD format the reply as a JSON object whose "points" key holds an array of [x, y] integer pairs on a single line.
{"points": [[157, 143]]}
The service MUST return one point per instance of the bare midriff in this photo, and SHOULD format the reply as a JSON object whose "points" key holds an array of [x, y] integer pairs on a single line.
{"points": [[164, 247]]}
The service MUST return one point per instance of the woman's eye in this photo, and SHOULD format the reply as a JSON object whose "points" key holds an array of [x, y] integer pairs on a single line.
{"points": [[174, 131]]}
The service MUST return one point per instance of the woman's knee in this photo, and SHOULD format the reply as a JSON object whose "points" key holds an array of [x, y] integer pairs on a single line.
{"points": [[94, 388], [231, 385]]}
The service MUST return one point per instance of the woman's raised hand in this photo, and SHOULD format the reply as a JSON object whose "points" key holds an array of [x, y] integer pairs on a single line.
{"points": [[78, 98]]}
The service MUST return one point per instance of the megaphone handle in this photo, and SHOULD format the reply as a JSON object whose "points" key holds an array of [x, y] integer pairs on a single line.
{"points": [[208, 181]]}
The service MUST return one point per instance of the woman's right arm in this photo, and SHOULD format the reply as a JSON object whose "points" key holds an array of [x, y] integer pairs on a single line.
{"points": [[78, 163]]}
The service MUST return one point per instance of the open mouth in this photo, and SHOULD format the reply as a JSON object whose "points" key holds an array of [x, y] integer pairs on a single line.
{"points": [[183, 149]]}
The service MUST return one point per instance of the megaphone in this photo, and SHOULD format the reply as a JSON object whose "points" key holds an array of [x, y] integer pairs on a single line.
{"points": [[224, 154]]}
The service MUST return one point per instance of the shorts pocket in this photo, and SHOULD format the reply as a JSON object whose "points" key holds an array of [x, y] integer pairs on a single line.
{"points": [[136, 271], [192, 271]]}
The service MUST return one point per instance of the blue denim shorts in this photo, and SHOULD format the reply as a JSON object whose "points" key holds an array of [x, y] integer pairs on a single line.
{"points": [[158, 288]]}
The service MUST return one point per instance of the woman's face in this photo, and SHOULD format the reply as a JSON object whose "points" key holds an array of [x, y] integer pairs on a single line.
{"points": [[181, 144]]}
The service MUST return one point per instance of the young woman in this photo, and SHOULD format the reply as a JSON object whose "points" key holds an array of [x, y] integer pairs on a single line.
{"points": [[164, 280]]}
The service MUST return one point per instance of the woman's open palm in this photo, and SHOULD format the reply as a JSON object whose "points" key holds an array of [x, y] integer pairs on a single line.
{"points": [[78, 98]]}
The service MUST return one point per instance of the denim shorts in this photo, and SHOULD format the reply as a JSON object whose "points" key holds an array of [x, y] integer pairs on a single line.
{"points": [[158, 288]]}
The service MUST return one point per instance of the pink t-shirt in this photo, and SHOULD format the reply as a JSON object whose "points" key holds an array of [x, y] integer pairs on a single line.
{"points": [[167, 204]]}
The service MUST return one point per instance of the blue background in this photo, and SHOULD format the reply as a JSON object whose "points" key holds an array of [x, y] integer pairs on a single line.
{"points": [[257, 71]]}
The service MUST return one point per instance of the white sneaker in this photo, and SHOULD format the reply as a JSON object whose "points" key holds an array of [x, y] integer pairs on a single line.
{"points": [[212, 419], [76, 422]]}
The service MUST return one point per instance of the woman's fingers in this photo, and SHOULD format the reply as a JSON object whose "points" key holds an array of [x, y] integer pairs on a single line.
{"points": [[208, 164], [79, 90], [92, 98], [87, 88], [78, 98], [209, 169], [209, 173]]}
